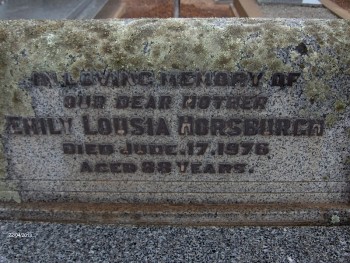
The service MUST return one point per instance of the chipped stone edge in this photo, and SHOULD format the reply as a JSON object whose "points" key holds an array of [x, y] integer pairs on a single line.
{"points": [[180, 215]]}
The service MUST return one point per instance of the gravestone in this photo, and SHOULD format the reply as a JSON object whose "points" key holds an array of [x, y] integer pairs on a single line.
{"points": [[213, 121]]}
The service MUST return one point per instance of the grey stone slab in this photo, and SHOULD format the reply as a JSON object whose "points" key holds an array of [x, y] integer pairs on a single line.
{"points": [[39, 9], [214, 111], [291, 2], [183, 187], [281, 1], [182, 198]]}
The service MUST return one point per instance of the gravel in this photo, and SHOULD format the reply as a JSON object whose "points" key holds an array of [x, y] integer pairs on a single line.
{"points": [[288, 11], [109, 243]]}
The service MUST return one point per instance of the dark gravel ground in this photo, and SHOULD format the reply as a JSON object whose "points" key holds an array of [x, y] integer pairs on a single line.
{"points": [[107, 243]]}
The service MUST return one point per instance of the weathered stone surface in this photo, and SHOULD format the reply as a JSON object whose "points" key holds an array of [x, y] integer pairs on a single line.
{"points": [[175, 111]]}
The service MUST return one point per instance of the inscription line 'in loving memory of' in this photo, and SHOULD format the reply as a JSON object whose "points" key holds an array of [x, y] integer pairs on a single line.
{"points": [[145, 78]]}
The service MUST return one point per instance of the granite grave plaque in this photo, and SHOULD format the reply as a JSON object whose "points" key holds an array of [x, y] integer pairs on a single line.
{"points": [[214, 112]]}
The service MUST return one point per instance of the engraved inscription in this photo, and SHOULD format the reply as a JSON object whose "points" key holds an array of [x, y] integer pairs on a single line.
{"points": [[193, 79], [183, 137]]}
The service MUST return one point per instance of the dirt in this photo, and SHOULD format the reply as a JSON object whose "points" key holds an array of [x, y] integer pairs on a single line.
{"points": [[343, 3], [164, 9]]}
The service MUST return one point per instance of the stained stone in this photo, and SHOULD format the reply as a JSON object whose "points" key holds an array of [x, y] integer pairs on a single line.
{"points": [[219, 112]]}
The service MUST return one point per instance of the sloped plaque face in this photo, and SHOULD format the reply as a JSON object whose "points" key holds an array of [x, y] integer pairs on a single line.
{"points": [[192, 111]]}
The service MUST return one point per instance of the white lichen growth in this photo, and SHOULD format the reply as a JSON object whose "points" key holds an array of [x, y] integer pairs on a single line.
{"points": [[335, 219]]}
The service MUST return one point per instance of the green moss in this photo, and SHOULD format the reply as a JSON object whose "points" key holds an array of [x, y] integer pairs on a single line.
{"points": [[17, 97], [74, 41], [100, 30], [106, 48], [8, 191], [331, 119], [335, 219], [175, 66], [75, 71], [233, 31], [275, 66], [3, 63], [3, 35], [223, 61], [252, 64], [233, 46], [176, 27], [2, 162], [37, 29], [199, 49], [339, 106], [8, 196], [316, 90], [156, 52], [7, 186], [347, 160], [34, 31]]}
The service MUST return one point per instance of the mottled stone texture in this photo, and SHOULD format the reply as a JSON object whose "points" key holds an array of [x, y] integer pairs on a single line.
{"points": [[277, 114]]}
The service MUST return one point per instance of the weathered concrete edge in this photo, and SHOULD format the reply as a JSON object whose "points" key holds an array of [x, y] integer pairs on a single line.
{"points": [[184, 215]]}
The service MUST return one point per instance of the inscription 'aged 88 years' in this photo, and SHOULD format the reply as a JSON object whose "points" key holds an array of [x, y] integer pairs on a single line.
{"points": [[153, 113]]}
